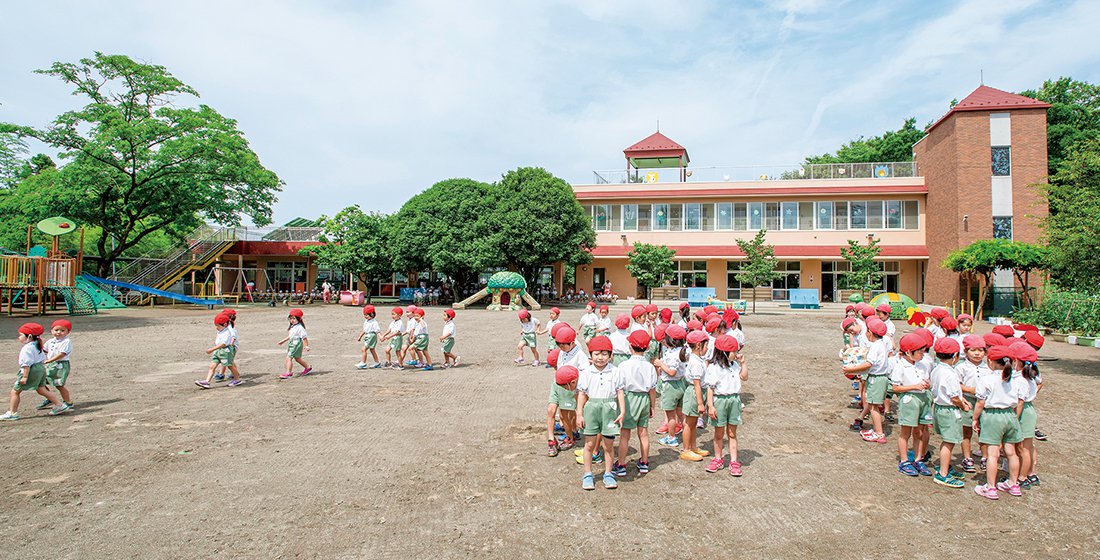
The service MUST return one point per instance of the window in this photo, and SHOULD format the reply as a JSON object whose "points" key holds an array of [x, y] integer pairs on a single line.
{"points": [[644, 217], [840, 215], [874, 214], [893, 214], [601, 214], [910, 215], [824, 215], [805, 215], [734, 289], [706, 217], [858, 211], [692, 217], [756, 215], [690, 274], [675, 215], [1002, 161], [725, 216], [789, 219], [740, 216], [771, 215], [660, 217], [789, 279], [630, 217], [1002, 227]]}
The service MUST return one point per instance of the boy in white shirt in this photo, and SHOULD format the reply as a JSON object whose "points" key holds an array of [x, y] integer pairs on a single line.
{"points": [[369, 336], [528, 337], [394, 336], [59, 350], [640, 398], [947, 396], [600, 406], [448, 338]]}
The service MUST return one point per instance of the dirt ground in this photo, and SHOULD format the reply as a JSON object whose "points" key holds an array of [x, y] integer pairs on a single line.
{"points": [[451, 463]]}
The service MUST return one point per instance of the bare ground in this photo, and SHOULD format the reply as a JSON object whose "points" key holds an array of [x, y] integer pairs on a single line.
{"points": [[380, 464]]}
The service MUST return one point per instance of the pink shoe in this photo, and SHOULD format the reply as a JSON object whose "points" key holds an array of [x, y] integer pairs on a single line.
{"points": [[735, 468], [869, 435], [1013, 489], [663, 429], [985, 491], [716, 464], [286, 375], [305, 371], [679, 429]]}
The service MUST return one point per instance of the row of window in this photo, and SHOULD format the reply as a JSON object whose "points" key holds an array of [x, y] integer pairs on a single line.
{"points": [[693, 274], [752, 216]]}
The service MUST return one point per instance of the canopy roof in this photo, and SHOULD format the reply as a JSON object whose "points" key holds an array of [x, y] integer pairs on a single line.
{"points": [[656, 151]]}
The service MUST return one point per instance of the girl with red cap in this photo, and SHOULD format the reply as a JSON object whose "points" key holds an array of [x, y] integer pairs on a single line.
{"points": [[685, 314], [693, 402], [600, 407], [603, 321], [32, 374], [529, 327], [419, 341], [369, 336], [949, 404], [59, 350], [651, 312], [562, 402], [221, 354], [395, 348], [448, 339], [588, 322], [230, 314], [620, 348], [966, 323], [670, 382], [970, 371], [877, 368], [996, 418], [296, 341], [1025, 372], [723, 380], [911, 380], [935, 320]]}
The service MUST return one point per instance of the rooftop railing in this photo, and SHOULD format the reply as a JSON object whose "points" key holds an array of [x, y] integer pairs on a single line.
{"points": [[795, 172]]}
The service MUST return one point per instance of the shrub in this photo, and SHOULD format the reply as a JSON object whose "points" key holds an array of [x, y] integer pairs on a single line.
{"points": [[1065, 311]]}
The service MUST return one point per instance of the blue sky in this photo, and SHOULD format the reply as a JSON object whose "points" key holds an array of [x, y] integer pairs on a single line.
{"points": [[371, 102]]}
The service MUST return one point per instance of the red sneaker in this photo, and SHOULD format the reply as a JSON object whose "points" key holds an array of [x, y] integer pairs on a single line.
{"points": [[663, 429]]}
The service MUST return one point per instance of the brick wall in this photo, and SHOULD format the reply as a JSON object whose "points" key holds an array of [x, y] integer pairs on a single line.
{"points": [[937, 160], [1029, 167]]}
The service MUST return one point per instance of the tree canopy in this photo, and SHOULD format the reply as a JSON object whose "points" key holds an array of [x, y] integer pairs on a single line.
{"points": [[356, 242], [1072, 229], [864, 274], [1073, 117], [760, 262], [651, 265], [892, 145]]}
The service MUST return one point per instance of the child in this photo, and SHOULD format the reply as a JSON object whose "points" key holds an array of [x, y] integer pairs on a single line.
{"points": [[549, 328], [296, 339], [638, 315], [723, 380], [733, 324], [665, 316], [966, 324], [947, 396], [620, 347], [393, 335], [877, 367], [685, 314], [1026, 373], [59, 350], [910, 380], [369, 336], [420, 340], [651, 311], [450, 359], [221, 353], [529, 326], [563, 402], [951, 329], [411, 356], [570, 352], [600, 406], [935, 317], [603, 322], [996, 418], [32, 374], [223, 369], [970, 372], [693, 402], [639, 379], [588, 322]]}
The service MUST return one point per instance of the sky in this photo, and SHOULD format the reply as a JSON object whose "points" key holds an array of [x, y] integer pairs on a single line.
{"points": [[369, 103]]}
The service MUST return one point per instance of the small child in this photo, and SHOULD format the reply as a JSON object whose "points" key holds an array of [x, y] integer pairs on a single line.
{"points": [[450, 359], [733, 327], [588, 322], [410, 356], [420, 340], [529, 327], [935, 318], [32, 374], [548, 328], [947, 397], [693, 402], [877, 368], [996, 418], [223, 369], [911, 381], [395, 348], [638, 318], [569, 352], [639, 379], [296, 340], [221, 354], [620, 348], [970, 372], [672, 386], [951, 329], [59, 350], [563, 402], [966, 323], [603, 322], [723, 380], [369, 336], [1026, 373], [685, 315], [600, 407]]}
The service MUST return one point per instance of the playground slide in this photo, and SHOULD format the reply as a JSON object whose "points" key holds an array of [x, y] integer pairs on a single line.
{"points": [[209, 303]]}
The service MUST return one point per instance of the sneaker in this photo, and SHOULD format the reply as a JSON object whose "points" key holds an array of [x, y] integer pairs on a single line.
{"points": [[699, 424], [44, 404], [361, 365], [985, 491], [643, 467], [889, 416], [598, 457], [552, 450], [588, 482], [1039, 435], [618, 469], [1033, 479], [376, 366], [566, 444], [689, 455], [701, 452], [968, 465], [983, 464], [235, 382], [1023, 483], [9, 415], [670, 441], [535, 363], [927, 457], [716, 464], [910, 455], [857, 425], [60, 409], [609, 481], [663, 429], [558, 428], [457, 358], [286, 375], [869, 435], [219, 377], [680, 429], [397, 366], [907, 468], [305, 372], [947, 481], [735, 468], [202, 383], [411, 363], [518, 360], [1013, 489], [922, 468], [427, 368]]}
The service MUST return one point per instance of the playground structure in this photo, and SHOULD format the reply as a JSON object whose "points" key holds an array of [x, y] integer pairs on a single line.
{"points": [[507, 289], [43, 274]]}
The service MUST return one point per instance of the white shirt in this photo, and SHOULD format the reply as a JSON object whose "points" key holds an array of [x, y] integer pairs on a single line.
{"points": [[371, 326], [671, 359], [30, 355], [233, 333], [998, 393], [937, 332], [709, 354], [957, 338], [740, 336], [969, 374], [945, 385], [907, 374], [635, 326], [695, 369], [396, 327], [1030, 386], [224, 336], [297, 331], [58, 346], [683, 323], [597, 384], [589, 320], [879, 356], [550, 324], [603, 324], [531, 326], [724, 381], [619, 343], [574, 357], [449, 329], [890, 328], [410, 326], [639, 376], [421, 327]]}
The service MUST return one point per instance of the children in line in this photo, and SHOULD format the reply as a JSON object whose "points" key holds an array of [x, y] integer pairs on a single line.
{"points": [[723, 380], [369, 337], [32, 374], [600, 406], [297, 341], [639, 379], [222, 353]]}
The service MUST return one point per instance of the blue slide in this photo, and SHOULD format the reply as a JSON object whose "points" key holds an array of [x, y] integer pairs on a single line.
{"points": [[209, 303]]}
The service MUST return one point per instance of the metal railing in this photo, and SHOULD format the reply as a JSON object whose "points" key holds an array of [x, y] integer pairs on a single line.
{"points": [[793, 172], [150, 272]]}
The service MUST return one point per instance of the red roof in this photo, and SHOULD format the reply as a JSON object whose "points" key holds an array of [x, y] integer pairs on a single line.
{"points": [[986, 98], [780, 251], [655, 145]]}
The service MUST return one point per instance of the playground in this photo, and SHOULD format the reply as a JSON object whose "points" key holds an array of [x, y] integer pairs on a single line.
{"points": [[452, 463]]}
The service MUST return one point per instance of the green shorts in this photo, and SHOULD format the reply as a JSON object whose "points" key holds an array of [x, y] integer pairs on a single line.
{"points": [[728, 408], [999, 425], [971, 399], [564, 398], [370, 340], [396, 342], [617, 359], [294, 348], [672, 393], [222, 356], [448, 344], [689, 403], [599, 417], [529, 340], [1028, 418], [915, 409], [36, 378], [875, 393], [420, 342], [637, 411], [588, 333], [949, 422], [57, 372], [551, 343]]}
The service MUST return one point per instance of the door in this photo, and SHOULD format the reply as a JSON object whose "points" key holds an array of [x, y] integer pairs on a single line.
{"points": [[598, 279]]}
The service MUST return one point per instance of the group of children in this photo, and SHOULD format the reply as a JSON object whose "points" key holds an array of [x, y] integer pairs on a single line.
{"points": [[691, 368], [954, 383], [44, 368]]}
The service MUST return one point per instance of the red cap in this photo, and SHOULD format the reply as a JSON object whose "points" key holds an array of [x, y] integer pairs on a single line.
{"points": [[565, 334], [926, 335], [599, 343], [712, 324], [651, 308], [591, 304], [552, 357], [884, 308], [949, 324], [847, 322], [726, 343], [524, 314], [418, 312], [732, 315], [996, 353], [637, 311], [32, 329], [849, 308], [398, 311], [1004, 330], [973, 341], [665, 315], [946, 346], [410, 309], [938, 313], [710, 309], [1024, 352], [639, 340], [695, 337], [63, 323], [684, 305], [450, 313], [622, 321], [675, 332], [604, 308], [659, 332], [1035, 339], [221, 319], [867, 311], [994, 339], [296, 313], [877, 327], [368, 309], [566, 375], [1025, 327], [911, 342], [557, 327], [230, 311], [555, 311], [694, 325], [964, 317]]}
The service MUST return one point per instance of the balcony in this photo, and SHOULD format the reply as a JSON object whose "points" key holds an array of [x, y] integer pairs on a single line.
{"points": [[804, 171]]}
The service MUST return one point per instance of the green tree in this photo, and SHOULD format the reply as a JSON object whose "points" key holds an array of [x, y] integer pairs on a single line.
{"points": [[760, 263], [980, 259], [1073, 116], [1072, 229], [138, 164], [356, 242], [892, 145], [864, 274], [651, 265], [447, 228], [11, 149], [1024, 258], [539, 222]]}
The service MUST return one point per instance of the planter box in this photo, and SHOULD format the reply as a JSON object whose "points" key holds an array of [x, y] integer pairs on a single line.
{"points": [[1086, 341], [1057, 336]]}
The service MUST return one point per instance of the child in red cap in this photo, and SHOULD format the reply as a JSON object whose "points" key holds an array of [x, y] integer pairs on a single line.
{"points": [[369, 336], [910, 379], [996, 418], [571, 353], [32, 374], [877, 368], [529, 328], [59, 350], [600, 406], [685, 315], [395, 348], [723, 380], [297, 341], [447, 339], [562, 402], [935, 318], [640, 397], [971, 369], [620, 347], [588, 322], [222, 353], [949, 409], [603, 321], [692, 405], [548, 328], [1025, 372], [419, 342]]}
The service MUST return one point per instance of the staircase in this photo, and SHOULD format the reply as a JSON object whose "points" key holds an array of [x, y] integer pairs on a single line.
{"points": [[204, 247], [77, 301]]}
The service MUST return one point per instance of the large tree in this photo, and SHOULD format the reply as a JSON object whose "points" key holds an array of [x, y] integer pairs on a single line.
{"points": [[358, 243], [651, 265], [892, 145], [1072, 230], [538, 222], [137, 163], [760, 263], [1073, 117]]}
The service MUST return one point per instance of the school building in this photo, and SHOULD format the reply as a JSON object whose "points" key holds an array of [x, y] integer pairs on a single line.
{"points": [[969, 180]]}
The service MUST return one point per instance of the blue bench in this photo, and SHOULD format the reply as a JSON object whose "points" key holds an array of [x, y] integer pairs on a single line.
{"points": [[804, 299]]}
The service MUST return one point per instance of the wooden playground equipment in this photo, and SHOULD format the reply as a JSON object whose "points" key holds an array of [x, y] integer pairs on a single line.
{"points": [[44, 274]]}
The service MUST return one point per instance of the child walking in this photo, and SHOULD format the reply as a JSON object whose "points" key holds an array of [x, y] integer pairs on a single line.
{"points": [[221, 354], [996, 418], [723, 380], [529, 327], [640, 396], [296, 341], [369, 336], [59, 349], [32, 374], [600, 406], [447, 339], [223, 369], [420, 340], [395, 348], [947, 398]]}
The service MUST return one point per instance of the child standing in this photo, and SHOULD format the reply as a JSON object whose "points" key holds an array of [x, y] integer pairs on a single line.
{"points": [[947, 396], [59, 350], [296, 341], [685, 315], [910, 380], [640, 397], [588, 322], [620, 348], [448, 339], [1026, 374], [395, 348], [996, 418], [570, 353], [693, 402], [723, 380], [563, 402], [32, 374], [420, 340], [877, 367], [555, 313], [223, 369], [369, 336], [603, 322], [970, 371], [529, 327], [600, 406]]}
